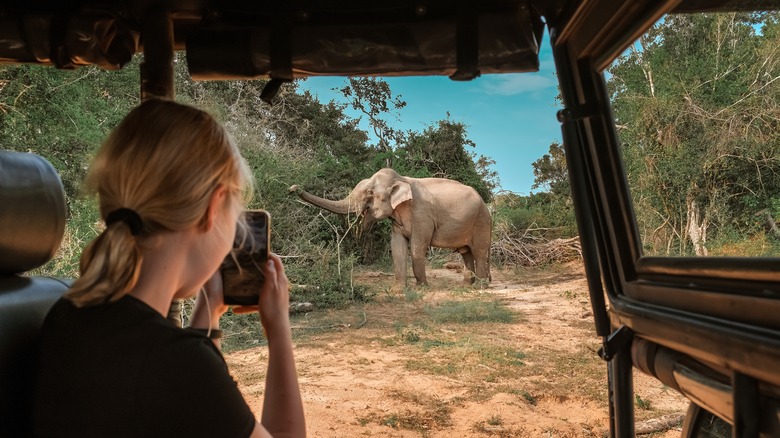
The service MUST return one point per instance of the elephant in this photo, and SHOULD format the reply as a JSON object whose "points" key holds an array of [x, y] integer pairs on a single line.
{"points": [[425, 212]]}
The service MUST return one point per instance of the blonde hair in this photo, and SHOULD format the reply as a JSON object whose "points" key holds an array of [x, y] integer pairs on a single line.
{"points": [[163, 161]]}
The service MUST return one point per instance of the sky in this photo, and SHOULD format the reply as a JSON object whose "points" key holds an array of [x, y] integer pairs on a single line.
{"points": [[510, 117]]}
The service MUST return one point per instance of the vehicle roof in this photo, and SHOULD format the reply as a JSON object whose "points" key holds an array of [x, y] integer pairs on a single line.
{"points": [[244, 40]]}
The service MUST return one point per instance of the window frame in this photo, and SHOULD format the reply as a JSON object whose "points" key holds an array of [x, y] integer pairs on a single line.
{"points": [[717, 311]]}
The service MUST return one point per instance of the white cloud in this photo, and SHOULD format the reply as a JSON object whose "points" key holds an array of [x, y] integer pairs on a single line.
{"points": [[507, 85]]}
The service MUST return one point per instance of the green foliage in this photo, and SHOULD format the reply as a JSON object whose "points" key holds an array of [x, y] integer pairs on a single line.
{"points": [[642, 403], [83, 225], [732, 242], [63, 115], [372, 96], [550, 172], [440, 151], [548, 214], [325, 281], [529, 398], [695, 103]]}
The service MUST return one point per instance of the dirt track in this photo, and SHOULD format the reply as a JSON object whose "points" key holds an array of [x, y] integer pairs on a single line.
{"points": [[386, 370]]}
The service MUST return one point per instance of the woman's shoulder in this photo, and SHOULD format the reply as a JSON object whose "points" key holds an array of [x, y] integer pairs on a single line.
{"points": [[127, 321], [120, 315]]}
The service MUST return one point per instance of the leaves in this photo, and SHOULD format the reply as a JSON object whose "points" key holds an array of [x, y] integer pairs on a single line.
{"points": [[696, 112], [440, 151], [65, 115]]}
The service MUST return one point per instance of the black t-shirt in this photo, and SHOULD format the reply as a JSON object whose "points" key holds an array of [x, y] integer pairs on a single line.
{"points": [[123, 370]]}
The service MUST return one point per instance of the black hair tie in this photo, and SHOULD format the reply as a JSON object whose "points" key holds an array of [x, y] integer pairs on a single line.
{"points": [[128, 216]]}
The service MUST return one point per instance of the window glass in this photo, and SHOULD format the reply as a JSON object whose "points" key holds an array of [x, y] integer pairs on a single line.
{"points": [[697, 107]]}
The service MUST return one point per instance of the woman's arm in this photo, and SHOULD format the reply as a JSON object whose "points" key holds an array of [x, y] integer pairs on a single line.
{"points": [[282, 406]]}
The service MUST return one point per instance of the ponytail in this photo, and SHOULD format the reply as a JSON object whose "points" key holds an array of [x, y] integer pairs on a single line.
{"points": [[109, 267]]}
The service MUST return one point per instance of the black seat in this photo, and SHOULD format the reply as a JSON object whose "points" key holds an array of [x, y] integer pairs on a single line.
{"points": [[32, 223]]}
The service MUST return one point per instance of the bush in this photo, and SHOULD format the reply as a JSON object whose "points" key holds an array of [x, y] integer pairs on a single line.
{"points": [[326, 282]]}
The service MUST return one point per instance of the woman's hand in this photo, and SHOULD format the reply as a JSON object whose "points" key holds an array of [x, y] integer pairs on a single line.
{"points": [[275, 298], [274, 303]]}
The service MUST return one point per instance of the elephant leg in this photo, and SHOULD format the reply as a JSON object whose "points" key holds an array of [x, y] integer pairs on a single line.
{"points": [[482, 261], [419, 251], [468, 261], [399, 249]]}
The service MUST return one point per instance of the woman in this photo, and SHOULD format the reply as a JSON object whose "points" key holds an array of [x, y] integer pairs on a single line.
{"points": [[171, 186]]}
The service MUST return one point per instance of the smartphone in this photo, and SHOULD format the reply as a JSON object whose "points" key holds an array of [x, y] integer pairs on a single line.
{"points": [[242, 275]]}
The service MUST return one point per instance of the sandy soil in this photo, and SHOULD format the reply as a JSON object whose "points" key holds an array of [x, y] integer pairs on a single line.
{"points": [[375, 369]]}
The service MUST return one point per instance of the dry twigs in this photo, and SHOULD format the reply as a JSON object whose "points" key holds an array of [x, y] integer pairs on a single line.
{"points": [[531, 248]]}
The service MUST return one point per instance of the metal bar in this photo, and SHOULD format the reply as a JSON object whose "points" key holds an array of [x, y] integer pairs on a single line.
{"points": [[158, 45], [622, 392], [746, 406], [603, 205], [581, 192], [613, 199]]}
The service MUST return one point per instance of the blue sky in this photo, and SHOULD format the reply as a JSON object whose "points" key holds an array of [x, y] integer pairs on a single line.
{"points": [[510, 117]]}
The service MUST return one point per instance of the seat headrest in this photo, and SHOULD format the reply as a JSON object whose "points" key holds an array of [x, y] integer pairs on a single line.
{"points": [[32, 212]]}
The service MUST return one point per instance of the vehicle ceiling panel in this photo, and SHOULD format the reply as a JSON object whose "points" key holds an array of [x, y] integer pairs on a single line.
{"points": [[233, 39]]}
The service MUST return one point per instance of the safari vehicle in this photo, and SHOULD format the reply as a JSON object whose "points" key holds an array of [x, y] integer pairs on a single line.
{"points": [[707, 327]]}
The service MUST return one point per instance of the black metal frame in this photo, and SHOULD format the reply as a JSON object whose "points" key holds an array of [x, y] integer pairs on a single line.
{"points": [[698, 307]]}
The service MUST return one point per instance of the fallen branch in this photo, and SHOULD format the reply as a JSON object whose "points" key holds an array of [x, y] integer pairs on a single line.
{"points": [[531, 248], [332, 326], [655, 425], [659, 424]]}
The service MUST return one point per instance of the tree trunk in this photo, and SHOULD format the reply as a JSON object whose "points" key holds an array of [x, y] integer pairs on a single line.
{"points": [[769, 224], [697, 227], [648, 72]]}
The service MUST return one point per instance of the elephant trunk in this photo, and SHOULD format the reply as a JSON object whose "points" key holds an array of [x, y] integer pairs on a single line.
{"points": [[348, 205], [367, 223]]}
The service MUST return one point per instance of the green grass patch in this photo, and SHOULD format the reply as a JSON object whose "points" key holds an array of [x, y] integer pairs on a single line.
{"points": [[469, 312], [528, 397], [503, 356], [428, 344], [642, 403], [411, 295], [757, 245]]}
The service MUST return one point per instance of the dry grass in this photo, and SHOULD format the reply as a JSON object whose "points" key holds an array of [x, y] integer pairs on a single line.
{"points": [[513, 360]]}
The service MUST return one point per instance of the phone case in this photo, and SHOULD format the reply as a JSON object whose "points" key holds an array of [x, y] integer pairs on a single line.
{"points": [[242, 275]]}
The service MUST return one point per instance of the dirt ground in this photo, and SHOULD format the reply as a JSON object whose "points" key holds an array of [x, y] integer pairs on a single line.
{"points": [[394, 367]]}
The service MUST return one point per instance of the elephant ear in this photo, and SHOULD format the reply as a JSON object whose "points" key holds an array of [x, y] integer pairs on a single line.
{"points": [[400, 192]]}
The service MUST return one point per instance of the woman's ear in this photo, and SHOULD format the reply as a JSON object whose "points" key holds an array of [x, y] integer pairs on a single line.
{"points": [[215, 207]]}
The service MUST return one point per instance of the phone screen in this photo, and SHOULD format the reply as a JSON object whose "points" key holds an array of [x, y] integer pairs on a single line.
{"points": [[241, 270]]}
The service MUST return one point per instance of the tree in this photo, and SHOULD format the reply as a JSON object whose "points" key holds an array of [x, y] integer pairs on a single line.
{"points": [[63, 115], [440, 151], [550, 172], [695, 107], [373, 97]]}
